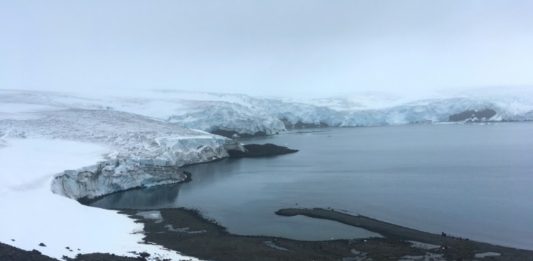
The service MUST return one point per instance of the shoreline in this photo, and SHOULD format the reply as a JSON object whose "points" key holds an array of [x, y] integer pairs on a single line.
{"points": [[285, 249], [390, 230], [190, 233]]}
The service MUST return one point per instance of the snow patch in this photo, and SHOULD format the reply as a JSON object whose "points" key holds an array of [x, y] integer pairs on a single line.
{"points": [[421, 245], [487, 254], [151, 215]]}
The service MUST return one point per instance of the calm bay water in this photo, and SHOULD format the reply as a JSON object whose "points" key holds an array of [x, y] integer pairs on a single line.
{"points": [[473, 181]]}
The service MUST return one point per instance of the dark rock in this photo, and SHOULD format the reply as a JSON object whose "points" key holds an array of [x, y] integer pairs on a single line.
{"points": [[302, 125], [233, 134], [473, 115], [102, 257], [9, 253], [260, 150], [42, 245], [144, 255]]}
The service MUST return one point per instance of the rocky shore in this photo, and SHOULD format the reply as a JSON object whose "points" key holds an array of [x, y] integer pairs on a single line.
{"points": [[10, 253], [452, 247], [188, 232]]}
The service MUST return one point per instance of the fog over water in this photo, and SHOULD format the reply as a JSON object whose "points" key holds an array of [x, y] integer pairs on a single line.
{"points": [[273, 48]]}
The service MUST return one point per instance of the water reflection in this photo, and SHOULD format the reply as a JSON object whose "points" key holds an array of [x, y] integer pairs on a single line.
{"points": [[165, 196], [209, 173], [469, 180]]}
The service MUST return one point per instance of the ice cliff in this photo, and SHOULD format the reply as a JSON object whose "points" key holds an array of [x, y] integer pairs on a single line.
{"points": [[142, 151]]}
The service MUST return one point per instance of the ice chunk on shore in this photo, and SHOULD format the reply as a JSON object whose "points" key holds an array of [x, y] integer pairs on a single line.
{"points": [[487, 254]]}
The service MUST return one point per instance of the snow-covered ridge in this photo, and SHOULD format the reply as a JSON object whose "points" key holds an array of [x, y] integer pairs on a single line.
{"points": [[248, 115]]}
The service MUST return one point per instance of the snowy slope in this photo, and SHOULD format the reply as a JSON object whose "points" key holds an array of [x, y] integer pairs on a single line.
{"points": [[136, 143], [31, 214]]}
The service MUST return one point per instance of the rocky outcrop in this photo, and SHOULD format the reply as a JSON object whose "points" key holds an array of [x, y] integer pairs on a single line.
{"points": [[234, 134], [260, 150], [473, 115], [8, 252], [303, 125]]}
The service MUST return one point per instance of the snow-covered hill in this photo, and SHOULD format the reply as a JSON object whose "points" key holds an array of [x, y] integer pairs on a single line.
{"points": [[246, 115]]}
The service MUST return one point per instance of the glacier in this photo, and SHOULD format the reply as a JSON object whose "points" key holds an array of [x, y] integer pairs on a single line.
{"points": [[243, 115], [150, 134], [145, 137], [137, 146]]}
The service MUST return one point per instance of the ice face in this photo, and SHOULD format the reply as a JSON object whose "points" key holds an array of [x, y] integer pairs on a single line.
{"points": [[142, 151], [247, 115]]}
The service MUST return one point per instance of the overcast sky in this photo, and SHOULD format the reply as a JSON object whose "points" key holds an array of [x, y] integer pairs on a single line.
{"points": [[276, 48]]}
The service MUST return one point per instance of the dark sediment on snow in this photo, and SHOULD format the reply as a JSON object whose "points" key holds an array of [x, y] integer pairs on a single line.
{"points": [[260, 150]]}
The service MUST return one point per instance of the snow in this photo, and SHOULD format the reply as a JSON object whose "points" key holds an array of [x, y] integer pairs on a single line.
{"points": [[250, 115], [152, 215], [422, 245], [136, 144], [487, 254], [91, 144], [31, 214], [21, 110], [62, 149]]}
